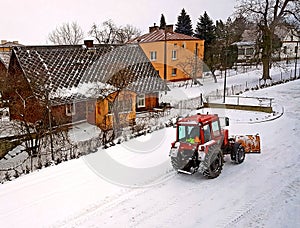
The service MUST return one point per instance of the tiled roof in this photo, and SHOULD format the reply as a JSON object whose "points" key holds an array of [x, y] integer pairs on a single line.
{"points": [[4, 58], [160, 35], [77, 72]]}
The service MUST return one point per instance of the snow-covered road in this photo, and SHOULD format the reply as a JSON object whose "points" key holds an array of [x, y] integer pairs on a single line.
{"points": [[264, 191]]}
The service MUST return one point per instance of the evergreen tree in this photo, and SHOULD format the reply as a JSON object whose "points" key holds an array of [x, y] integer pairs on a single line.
{"points": [[163, 23], [184, 24], [205, 29]]}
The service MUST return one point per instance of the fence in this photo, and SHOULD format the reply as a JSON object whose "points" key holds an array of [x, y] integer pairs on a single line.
{"points": [[253, 84]]}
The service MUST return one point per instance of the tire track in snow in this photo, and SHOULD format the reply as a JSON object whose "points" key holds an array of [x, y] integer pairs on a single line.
{"points": [[111, 203]]}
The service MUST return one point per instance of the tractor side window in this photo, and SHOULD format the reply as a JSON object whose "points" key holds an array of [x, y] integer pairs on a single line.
{"points": [[207, 135], [181, 133], [216, 128]]}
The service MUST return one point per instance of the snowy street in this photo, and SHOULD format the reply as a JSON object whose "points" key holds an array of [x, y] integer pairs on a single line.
{"points": [[264, 191]]}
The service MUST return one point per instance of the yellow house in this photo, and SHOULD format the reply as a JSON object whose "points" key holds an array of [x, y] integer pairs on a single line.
{"points": [[120, 104], [175, 56]]}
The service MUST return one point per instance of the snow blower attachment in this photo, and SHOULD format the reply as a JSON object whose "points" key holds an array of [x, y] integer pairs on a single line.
{"points": [[201, 144]]}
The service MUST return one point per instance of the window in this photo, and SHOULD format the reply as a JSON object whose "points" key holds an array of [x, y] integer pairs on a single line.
{"points": [[207, 135], [153, 55], [174, 72], [174, 54], [140, 101], [183, 45], [70, 109], [188, 133], [249, 51], [241, 51], [216, 128]]}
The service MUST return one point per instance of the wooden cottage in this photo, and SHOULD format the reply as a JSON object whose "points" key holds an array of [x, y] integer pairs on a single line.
{"points": [[66, 84]]}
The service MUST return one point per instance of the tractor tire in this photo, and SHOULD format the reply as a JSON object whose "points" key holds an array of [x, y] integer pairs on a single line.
{"points": [[177, 162], [213, 162], [238, 153]]}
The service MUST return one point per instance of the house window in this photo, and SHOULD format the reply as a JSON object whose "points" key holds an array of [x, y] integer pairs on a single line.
{"points": [[249, 51], [153, 55], [70, 109], [183, 45], [140, 101], [241, 51], [174, 72], [174, 54], [175, 45]]}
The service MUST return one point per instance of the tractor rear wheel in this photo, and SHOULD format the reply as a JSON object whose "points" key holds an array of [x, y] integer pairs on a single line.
{"points": [[238, 153], [213, 162]]}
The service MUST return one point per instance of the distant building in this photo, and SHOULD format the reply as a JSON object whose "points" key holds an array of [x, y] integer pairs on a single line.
{"points": [[290, 43], [170, 52]]}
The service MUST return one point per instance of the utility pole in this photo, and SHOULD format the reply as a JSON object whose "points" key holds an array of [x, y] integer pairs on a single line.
{"points": [[165, 55], [296, 52], [224, 94]]}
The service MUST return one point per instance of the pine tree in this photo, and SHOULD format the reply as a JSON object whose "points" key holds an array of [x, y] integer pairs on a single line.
{"points": [[205, 29], [184, 24], [163, 23]]}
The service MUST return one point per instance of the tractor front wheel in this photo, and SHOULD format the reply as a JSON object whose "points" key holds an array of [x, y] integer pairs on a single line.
{"points": [[213, 162]]}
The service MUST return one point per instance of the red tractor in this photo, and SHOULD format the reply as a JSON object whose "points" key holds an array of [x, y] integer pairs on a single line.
{"points": [[201, 144]]}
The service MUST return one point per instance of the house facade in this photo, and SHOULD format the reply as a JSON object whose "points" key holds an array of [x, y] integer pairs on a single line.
{"points": [[66, 84], [175, 56], [290, 44]]}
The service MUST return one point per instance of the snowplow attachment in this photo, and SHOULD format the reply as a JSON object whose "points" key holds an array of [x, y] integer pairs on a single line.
{"points": [[251, 143]]}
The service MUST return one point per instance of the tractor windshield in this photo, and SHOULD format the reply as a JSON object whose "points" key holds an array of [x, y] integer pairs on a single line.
{"points": [[189, 133]]}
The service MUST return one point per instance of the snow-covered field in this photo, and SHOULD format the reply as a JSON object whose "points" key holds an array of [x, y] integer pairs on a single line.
{"points": [[133, 185]]}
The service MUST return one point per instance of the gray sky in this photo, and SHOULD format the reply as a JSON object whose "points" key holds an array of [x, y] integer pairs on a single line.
{"points": [[30, 21]]}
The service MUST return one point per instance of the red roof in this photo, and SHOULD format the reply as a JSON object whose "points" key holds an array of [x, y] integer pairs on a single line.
{"points": [[160, 35]]}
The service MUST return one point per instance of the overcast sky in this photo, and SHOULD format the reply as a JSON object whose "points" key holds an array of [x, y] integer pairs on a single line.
{"points": [[30, 21]]}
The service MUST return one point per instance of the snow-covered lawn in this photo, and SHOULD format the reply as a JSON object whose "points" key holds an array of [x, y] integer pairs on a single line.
{"points": [[133, 185]]}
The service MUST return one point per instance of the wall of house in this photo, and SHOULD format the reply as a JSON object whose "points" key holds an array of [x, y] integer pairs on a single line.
{"points": [[151, 101], [3, 71], [22, 105], [185, 52], [104, 114], [60, 115]]}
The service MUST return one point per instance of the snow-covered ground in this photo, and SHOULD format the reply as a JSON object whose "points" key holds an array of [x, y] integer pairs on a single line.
{"points": [[133, 185]]}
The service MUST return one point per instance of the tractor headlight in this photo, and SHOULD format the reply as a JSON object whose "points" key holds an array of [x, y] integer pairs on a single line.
{"points": [[201, 156]]}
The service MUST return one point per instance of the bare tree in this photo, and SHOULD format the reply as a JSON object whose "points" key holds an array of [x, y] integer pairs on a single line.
{"points": [[192, 67], [67, 33], [109, 33], [268, 15]]}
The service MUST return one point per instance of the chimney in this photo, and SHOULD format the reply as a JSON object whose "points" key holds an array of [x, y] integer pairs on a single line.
{"points": [[169, 28], [16, 42], [89, 43], [3, 41], [153, 28]]}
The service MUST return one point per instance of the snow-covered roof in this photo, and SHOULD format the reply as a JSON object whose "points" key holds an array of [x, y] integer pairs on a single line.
{"points": [[78, 72], [244, 43]]}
